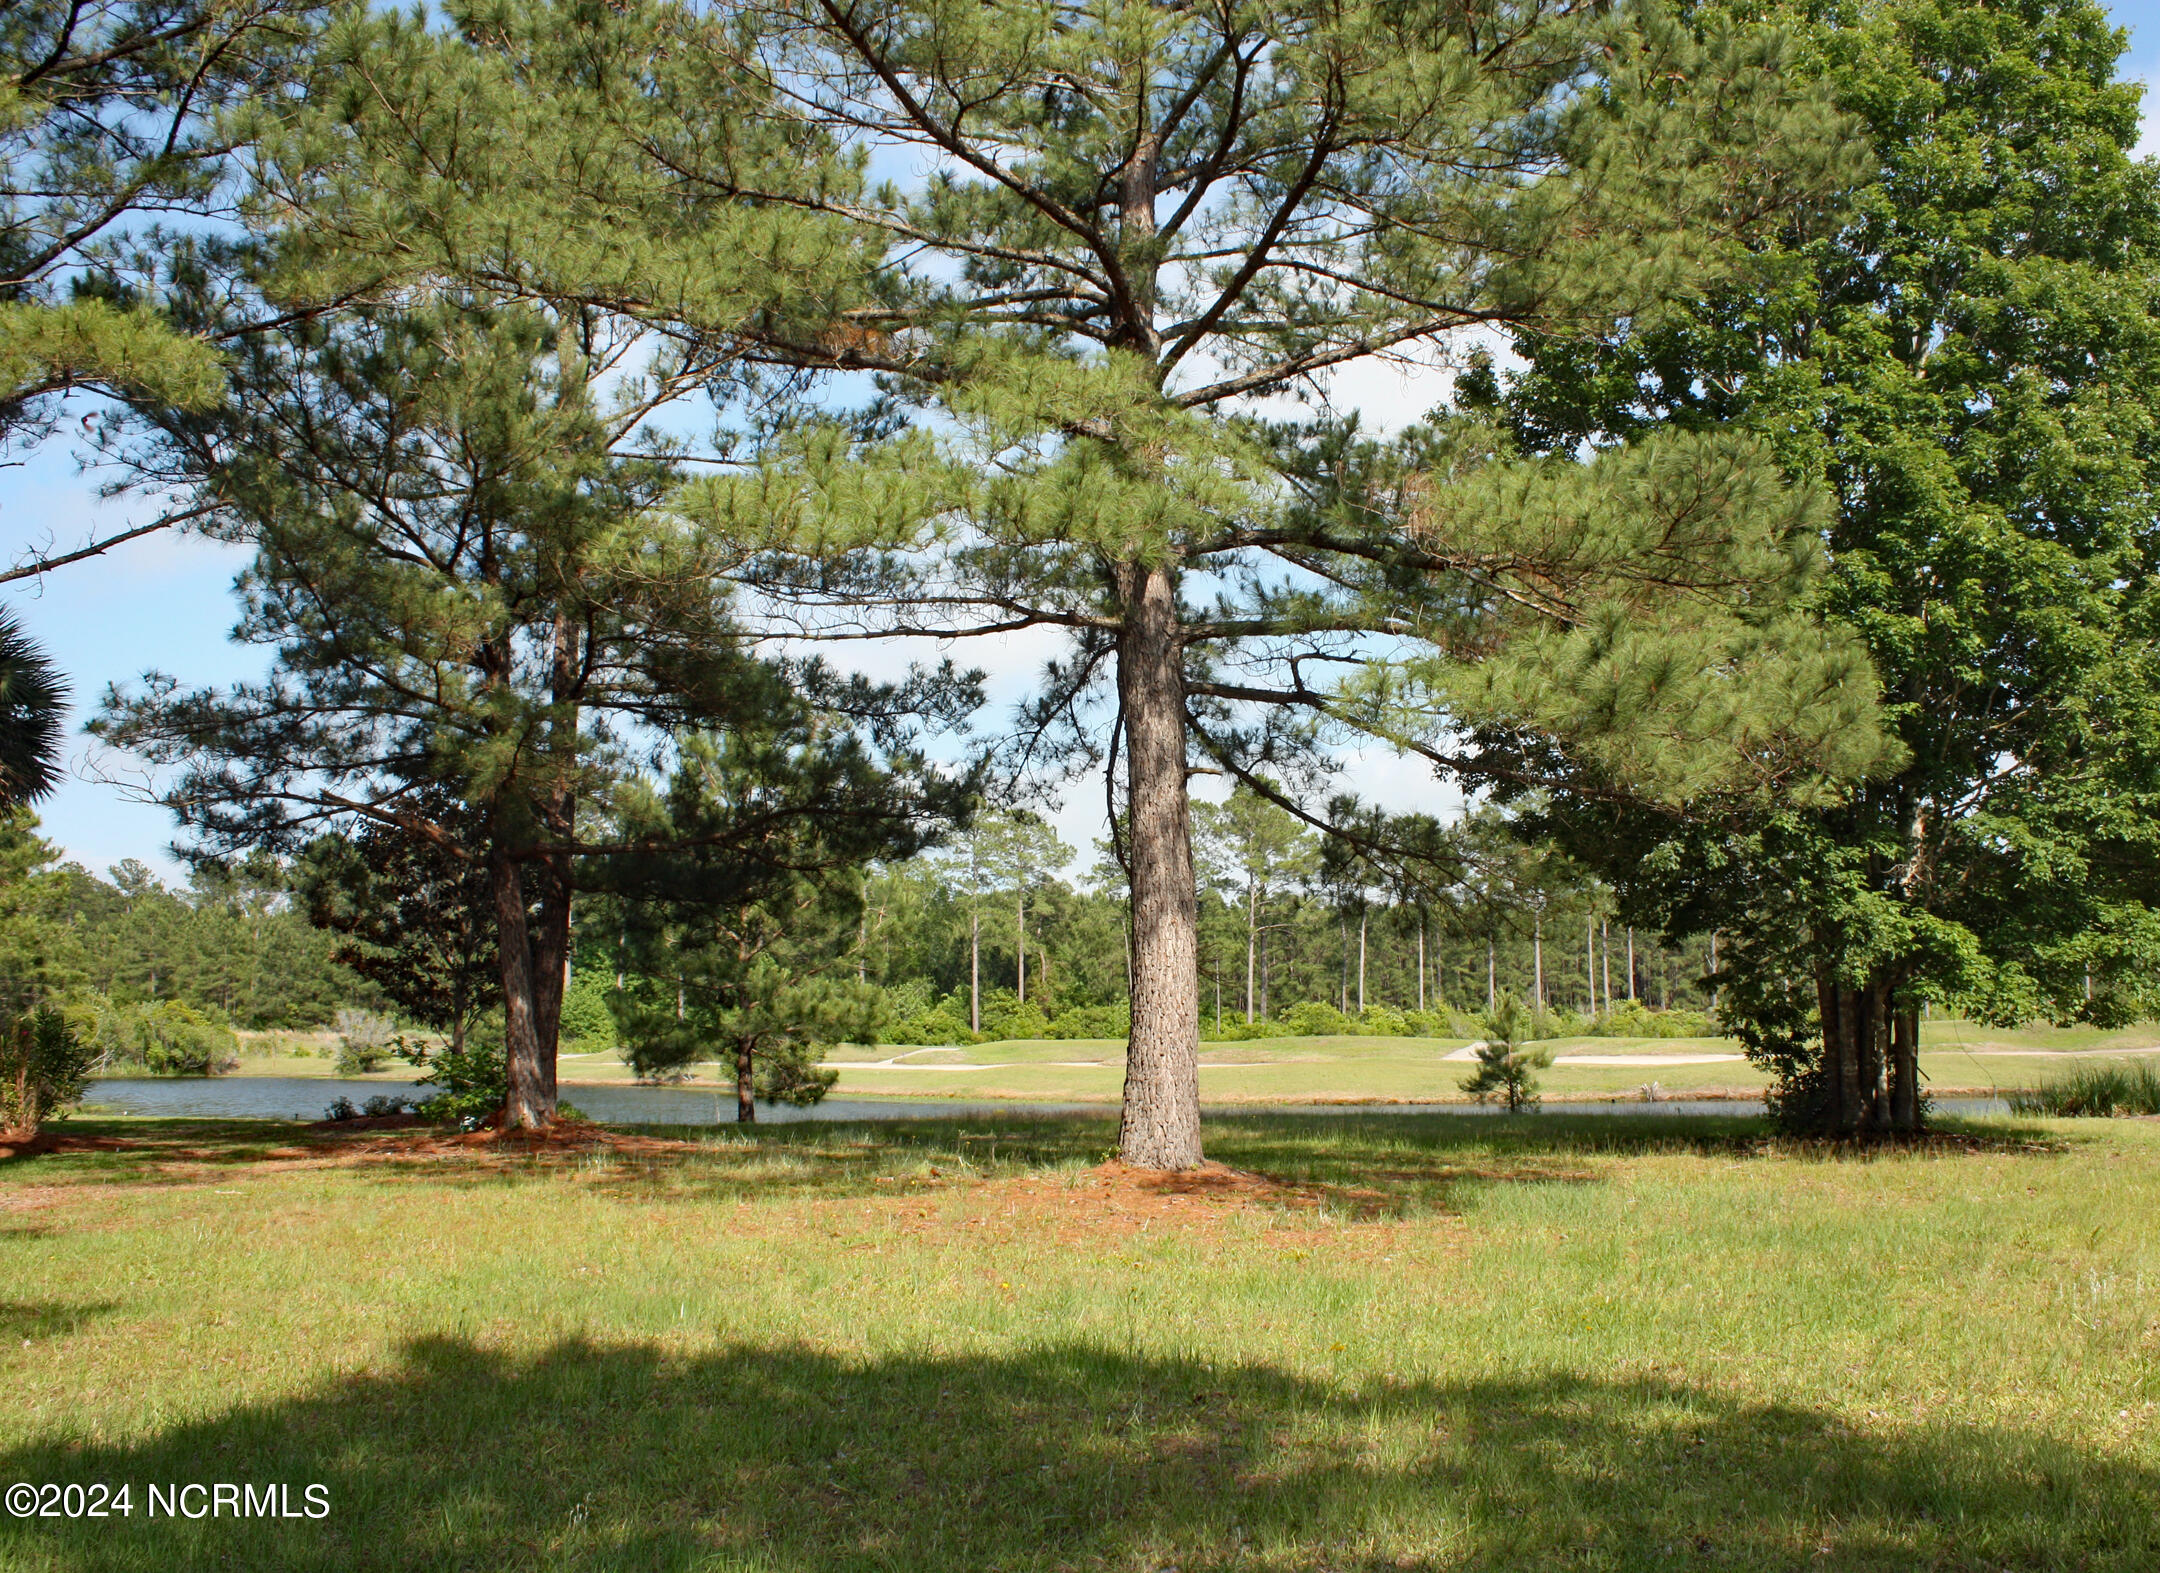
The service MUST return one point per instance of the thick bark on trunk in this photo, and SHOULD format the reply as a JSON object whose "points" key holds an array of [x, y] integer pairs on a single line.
{"points": [[1905, 1070], [550, 969], [530, 1104], [745, 1085], [974, 972], [1871, 1055], [1161, 1124], [1875, 1064]]}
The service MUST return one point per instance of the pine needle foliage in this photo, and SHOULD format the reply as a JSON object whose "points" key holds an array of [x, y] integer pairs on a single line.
{"points": [[1022, 276], [1507, 1062]]}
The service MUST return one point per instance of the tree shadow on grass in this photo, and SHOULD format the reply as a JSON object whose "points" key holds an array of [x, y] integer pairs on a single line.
{"points": [[1364, 1165], [24, 1320], [1074, 1456]]}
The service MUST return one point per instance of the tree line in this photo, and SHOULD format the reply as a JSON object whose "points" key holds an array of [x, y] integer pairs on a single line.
{"points": [[587, 397], [991, 937]]}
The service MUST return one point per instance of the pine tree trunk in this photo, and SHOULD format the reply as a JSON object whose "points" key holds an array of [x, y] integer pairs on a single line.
{"points": [[974, 971], [1161, 1124], [1605, 940], [1342, 982], [1492, 995], [1364, 921], [1252, 942], [745, 1084], [1020, 971], [1875, 1064], [1537, 959], [1631, 962], [530, 1104], [1590, 960], [550, 970], [1421, 963]]}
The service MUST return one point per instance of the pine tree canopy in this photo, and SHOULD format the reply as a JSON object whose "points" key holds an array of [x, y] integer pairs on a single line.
{"points": [[1007, 286], [107, 112]]}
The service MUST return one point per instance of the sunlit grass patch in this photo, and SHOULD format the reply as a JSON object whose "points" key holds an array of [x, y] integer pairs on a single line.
{"points": [[1364, 1343]]}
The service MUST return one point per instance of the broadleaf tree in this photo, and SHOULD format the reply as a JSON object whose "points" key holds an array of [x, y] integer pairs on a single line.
{"points": [[1970, 364]]}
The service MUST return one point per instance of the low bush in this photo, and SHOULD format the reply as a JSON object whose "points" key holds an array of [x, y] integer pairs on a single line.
{"points": [[918, 1016], [1005, 1016], [1317, 1019], [1633, 1019], [2120, 1087], [378, 1107], [44, 1067], [161, 1037], [365, 1042], [471, 1082], [1092, 1021]]}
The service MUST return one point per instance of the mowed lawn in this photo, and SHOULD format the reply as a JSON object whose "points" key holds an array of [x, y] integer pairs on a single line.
{"points": [[1369, 1343]]}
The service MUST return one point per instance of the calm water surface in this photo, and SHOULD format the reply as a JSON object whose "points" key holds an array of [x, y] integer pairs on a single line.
{"points": [[306, 1097]]}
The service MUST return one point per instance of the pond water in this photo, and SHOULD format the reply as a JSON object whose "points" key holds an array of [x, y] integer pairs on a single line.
{"points": [[306, 1097]]}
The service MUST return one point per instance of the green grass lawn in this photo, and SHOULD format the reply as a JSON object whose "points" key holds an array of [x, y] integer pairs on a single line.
{"points": [[1383, 1343]]}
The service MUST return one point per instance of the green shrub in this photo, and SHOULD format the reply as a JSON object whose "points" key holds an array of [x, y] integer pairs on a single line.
{"points": [[173, 1039], [2131, 1087], [1547, 1022], [471, 1082], [1633, 1019], [1005, 1016], [1092, 1021], [44, 1067], [1316, 1019], [918, 1017], [365, 1042], [588, 1024]]}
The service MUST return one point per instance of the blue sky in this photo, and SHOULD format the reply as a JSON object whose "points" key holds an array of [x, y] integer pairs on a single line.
{"points": [[165, 602]]}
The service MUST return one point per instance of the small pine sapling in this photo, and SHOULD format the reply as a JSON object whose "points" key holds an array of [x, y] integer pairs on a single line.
{"points": [[1507, 1060]]}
